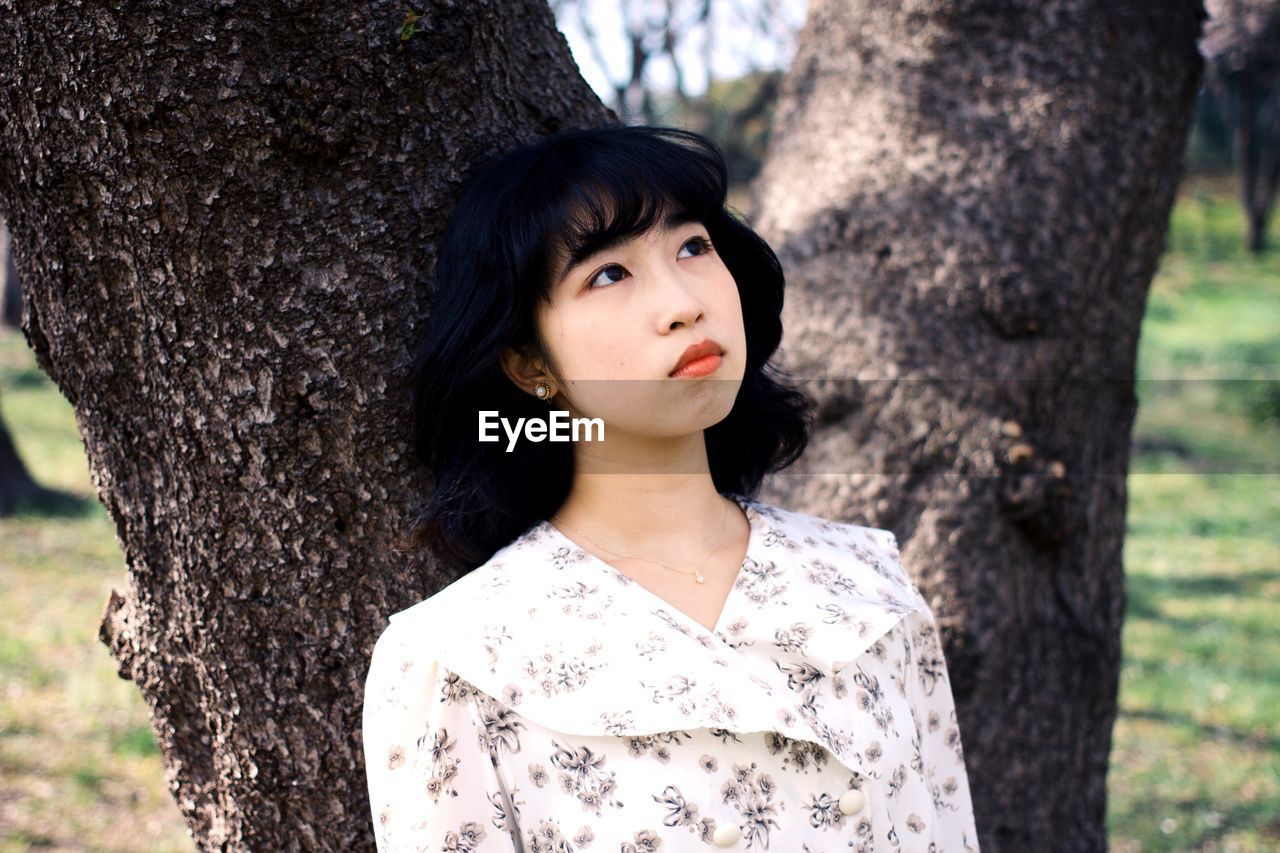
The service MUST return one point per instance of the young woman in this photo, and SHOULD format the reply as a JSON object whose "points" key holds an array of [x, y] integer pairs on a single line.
{"points": [[638, 655]]}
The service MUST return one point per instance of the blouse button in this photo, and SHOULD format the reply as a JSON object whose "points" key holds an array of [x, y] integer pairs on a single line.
{"points": [[726, 834], [852, 801]]}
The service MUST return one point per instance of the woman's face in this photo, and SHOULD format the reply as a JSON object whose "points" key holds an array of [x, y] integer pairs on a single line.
{"points": [[620, 320]]}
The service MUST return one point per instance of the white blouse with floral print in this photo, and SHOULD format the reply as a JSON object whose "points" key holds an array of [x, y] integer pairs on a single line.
{"points": [[547, 702]]}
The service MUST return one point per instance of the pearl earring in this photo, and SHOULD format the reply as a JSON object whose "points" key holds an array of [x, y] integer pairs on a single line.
{"points": [[542, 390]]}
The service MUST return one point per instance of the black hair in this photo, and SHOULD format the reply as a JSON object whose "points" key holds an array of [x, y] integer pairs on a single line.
{"points": [[518, 218]]}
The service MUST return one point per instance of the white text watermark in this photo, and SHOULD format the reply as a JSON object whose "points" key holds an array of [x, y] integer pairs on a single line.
{"points": [[557, 428]]}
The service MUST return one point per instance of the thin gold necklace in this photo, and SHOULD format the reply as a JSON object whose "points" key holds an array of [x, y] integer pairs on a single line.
{"points": [[697, 574]]}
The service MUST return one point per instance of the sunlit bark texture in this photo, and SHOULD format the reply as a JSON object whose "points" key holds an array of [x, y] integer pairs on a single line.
{"points": [[970, 200], [224, 217]]}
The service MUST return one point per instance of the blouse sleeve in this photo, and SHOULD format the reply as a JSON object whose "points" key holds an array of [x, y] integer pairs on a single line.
{"points": [[432, 781], [932, 704]]}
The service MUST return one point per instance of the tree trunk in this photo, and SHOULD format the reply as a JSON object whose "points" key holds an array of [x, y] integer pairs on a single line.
{"points": [[16, 484], [1256, 231], [225, 221], [10, 286], [984, 197], [1263, 173], [1245, 146]]}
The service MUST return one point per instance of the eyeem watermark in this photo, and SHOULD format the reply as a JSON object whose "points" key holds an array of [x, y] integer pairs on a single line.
{"points": [[539, 429]]}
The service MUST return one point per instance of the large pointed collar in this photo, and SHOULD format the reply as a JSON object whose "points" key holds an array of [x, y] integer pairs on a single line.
{"points": [[575, 645]]}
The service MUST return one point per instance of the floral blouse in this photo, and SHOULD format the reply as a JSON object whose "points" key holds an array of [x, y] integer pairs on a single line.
{"points": [[547, 702]]}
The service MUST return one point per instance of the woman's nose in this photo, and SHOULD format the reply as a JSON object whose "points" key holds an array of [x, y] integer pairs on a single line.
{"points": [[680, 303]]}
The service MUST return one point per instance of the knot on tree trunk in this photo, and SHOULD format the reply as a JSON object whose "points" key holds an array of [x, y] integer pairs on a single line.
{"points": [[1013, 304], [116, 631], [834, 399], [1035, 491]]}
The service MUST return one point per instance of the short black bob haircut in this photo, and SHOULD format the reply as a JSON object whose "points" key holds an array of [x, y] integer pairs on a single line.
{"points": [[518, 216]]}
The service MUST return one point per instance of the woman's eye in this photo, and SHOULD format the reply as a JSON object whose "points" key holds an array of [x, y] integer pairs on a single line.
{"points": [[603, 279], [703, 244], [592, 285]]}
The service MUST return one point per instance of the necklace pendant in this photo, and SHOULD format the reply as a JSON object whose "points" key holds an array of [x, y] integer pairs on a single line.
{"points": [[699, 577]]}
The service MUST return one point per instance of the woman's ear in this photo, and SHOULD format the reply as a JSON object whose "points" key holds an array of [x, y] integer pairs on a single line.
{"points": [[525, 367]]}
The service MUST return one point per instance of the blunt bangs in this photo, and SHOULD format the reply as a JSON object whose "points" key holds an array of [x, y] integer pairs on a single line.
{"points": [[590, 190]]}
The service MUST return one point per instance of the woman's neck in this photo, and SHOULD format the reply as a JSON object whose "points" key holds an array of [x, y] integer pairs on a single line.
{"points": [[657, 516]]}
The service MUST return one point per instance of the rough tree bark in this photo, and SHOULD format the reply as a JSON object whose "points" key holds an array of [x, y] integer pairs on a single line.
{"points": [[985, 194], [225, 217]]}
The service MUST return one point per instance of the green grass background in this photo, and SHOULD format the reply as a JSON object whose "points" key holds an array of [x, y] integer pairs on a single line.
{"points": [[1196, 761]]}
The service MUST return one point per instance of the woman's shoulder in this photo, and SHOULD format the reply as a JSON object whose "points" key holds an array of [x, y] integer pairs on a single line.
{"points": [[484, 583], [843, 532]]}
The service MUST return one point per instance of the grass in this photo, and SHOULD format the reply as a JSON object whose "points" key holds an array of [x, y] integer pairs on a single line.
{"points": [[1196, 761], [79, 767]]}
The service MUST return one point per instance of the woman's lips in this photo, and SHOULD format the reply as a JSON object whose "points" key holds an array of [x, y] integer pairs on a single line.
{"points": [[699, 367]]}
